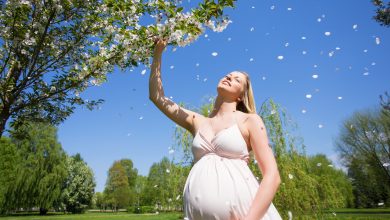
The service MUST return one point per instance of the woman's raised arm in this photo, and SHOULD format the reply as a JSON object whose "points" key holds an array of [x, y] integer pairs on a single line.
{"points": [[181, 116]]}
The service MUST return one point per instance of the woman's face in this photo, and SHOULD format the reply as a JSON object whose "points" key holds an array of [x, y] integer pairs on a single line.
{"points": [[232, 85]]}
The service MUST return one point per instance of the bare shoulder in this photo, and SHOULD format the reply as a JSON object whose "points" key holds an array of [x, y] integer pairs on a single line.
{"points": [[254, 122], [249, 118]]}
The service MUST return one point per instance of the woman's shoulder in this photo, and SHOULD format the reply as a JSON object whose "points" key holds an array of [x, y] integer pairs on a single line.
{"points": [[248, 117]]}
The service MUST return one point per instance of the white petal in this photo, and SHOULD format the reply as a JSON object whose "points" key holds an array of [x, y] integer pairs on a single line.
{"points": [[377, 40]]}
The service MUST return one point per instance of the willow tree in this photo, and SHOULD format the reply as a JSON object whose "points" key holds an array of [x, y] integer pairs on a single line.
{"points": [[41, 172], [51, 51]]}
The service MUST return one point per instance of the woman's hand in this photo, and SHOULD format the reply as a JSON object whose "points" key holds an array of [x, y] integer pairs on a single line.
{"points": [[159, 46]]}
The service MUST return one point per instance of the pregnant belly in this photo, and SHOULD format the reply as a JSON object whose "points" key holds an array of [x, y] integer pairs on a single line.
{"points": [[219, 188]]}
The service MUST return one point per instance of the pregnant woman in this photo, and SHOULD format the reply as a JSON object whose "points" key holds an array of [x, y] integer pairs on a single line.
{"points": [[220, 185]]}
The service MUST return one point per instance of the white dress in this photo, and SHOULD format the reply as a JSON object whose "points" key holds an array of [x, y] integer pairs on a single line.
{"points": [[220, 185]]}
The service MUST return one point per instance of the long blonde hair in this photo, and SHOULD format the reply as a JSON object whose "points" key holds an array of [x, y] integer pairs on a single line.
{"points": [[247, 103]]}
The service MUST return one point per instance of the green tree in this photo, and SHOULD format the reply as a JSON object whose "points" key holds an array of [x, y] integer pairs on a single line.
{"points": [[363, 145], [9, 162], [335, 190], [382, 12], [131, 173], [117, 187], [79, 186], [164, 185], [42, 172], [50, 51], [100, 202]]}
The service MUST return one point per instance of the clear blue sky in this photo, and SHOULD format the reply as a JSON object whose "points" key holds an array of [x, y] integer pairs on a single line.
{"points": [[335, 40]]}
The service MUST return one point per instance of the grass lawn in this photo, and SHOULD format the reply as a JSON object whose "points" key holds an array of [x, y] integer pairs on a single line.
{"points": [[343, 214], [359, 214], [105, 216]]}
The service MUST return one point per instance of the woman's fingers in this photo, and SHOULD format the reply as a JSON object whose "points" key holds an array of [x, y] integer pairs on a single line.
{"points": [[160, 44]]}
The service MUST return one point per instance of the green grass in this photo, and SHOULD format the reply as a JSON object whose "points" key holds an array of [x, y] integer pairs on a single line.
{"points": [[339, 214], [105, 216]]}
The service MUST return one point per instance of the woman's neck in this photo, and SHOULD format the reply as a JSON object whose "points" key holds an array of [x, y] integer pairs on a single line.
{"points": [[221, 107]]}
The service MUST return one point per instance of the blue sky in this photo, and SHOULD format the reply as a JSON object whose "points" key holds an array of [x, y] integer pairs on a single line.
{"points": [[336, 40]]}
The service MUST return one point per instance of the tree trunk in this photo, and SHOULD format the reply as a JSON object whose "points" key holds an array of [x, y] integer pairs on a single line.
{"points": [[42, 211], [4, 116]]}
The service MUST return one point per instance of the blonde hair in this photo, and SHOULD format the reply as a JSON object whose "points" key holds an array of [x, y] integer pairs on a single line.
{"points": [[247, 103]]}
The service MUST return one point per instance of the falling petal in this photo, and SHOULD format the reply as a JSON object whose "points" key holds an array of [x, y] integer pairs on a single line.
{"points": [[229, 39], [206, 35], [251, 59], [331, 53], [290, 176], [155, 186], [339, 98], [303, 111], [174, 49], [289, 9], [214, 54], [263, 78], [354, 26], [280, 57], [334, 213], [386, 164], [320, 126], [272, 7], [178, 197], [366, 73], [377, 40], [337, 48], [140, 118], [365, 51], [330, 165], [143, 72], [290, 81], [205, 79], [327, 33], [304, 52], [308, 96], [290, 215], [381, 203], [167, 170], [303, 38], [172, 67], [373, 64], [319, 164], [286, 44], [252, 29], [315, 76], [318, 19]]}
